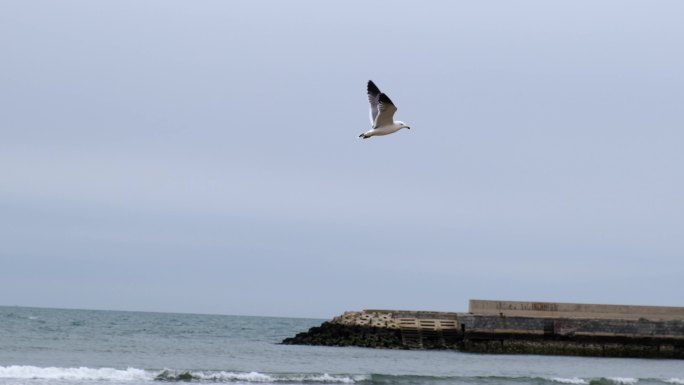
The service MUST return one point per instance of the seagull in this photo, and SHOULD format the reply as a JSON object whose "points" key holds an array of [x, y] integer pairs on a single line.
{"points": [[381, 114]]}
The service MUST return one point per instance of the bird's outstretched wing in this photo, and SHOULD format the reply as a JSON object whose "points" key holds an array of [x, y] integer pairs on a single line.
{"points": [[374, 100], [386, 110]]}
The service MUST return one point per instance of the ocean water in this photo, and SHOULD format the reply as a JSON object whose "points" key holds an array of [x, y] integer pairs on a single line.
{"points": [[51, 346]]}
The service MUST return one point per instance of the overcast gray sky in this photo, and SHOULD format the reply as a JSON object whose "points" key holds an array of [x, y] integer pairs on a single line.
{"points": [[190, 156]]}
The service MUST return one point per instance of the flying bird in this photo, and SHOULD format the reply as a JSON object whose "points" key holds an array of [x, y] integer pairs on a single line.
{"points": [[381, 114]]}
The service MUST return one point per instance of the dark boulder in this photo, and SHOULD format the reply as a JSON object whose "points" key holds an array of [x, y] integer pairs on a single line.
{"points": [[333, 334]]}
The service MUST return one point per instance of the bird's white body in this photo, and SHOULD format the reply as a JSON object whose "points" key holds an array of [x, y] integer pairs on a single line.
{"points": [[384, 130], [381, 114]]}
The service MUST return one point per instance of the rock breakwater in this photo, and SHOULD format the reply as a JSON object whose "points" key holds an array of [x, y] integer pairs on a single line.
{"points": [[528, 333]]}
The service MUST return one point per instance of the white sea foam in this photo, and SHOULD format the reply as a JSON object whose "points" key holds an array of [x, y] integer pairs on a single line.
{"points": [[326, 378], [573, 380], [82, 373], [624, 380], [271, 378], [137, 375], [677, 381], [232, 376]]}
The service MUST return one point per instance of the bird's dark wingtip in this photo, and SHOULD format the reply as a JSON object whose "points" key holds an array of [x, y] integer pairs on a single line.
{"points": [[385, 99], [372, 88]]}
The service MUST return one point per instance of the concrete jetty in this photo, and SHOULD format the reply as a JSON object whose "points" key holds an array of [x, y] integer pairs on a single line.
{"points": [[513, 327]]}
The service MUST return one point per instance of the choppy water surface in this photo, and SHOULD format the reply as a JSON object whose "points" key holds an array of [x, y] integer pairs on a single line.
{"points": [[50, 346]]}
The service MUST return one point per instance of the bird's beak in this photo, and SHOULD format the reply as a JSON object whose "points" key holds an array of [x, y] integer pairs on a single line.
{"points": [[408, 128]]}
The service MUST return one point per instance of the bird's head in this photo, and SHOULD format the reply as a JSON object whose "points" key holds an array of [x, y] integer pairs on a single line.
{"points": [[403, 125]]}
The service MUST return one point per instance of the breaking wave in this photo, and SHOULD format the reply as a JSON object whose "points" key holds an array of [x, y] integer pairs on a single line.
{"points": [[82, 373], [138, 375], [615, 381], [135, 375], [573, 380], [223, 376]]}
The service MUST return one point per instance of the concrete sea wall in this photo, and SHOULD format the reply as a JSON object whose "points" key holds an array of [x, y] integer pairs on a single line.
{"points": [[574, 310], [512, 328]]}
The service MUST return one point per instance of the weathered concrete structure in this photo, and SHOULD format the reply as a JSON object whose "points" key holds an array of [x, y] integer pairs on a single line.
{"points": [[514, 327], [575, 310]]}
